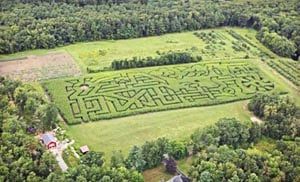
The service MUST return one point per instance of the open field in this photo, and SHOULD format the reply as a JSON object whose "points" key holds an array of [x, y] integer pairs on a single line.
{"points": [[124, 133], [211, 44], [34, 68], [115, 94]]}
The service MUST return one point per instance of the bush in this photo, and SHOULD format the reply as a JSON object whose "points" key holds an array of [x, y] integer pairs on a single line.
{"points": [[164, 59]]}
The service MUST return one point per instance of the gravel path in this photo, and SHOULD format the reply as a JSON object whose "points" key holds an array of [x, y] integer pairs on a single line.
{"points": [[58, 154]]}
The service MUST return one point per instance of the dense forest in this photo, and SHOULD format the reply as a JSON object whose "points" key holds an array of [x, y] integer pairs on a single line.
{"points": [[32, 24]]}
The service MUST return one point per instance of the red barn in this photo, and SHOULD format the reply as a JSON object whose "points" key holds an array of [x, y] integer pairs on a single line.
{"points": [[49, 140]]}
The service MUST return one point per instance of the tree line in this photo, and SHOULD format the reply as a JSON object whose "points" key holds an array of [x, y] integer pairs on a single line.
{"points": [[82, 3], [276, 43], [168, 58], [33, 24]]}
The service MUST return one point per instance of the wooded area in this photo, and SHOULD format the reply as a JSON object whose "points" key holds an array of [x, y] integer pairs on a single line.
{"points": [[32, 24]]}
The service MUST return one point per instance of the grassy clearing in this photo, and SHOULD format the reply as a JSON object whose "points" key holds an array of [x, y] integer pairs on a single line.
{"points": [[185, 164], [216, 44], [156, 174], [124, 133], [69, 158], [24, 54]]}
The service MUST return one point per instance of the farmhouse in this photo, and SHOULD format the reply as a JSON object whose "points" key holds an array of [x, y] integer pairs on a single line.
{"points": [[49, 140]]}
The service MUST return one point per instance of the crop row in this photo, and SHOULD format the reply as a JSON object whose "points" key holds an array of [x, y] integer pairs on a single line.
{"points": [[285, 71]]}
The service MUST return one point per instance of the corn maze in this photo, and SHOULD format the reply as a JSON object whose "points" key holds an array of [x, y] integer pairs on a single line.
{"points": [[109, 95]]}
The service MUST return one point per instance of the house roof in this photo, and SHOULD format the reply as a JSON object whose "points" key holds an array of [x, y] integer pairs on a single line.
{"points": [[179, 178], [84, 149], [48, 138], [176, 179]]}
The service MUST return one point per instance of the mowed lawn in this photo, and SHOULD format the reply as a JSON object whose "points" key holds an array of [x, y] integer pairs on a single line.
{"points": [[124, 133]]}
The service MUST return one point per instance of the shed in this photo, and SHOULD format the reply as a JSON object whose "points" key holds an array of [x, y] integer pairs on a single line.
{"points": [[49, 140], [84, 149]]}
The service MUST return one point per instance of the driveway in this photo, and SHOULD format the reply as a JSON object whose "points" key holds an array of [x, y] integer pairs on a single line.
{"points": [[58, 153]]}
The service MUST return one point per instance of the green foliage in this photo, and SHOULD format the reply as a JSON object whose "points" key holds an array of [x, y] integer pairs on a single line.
{"points": [[178, 150], [22, 156], [151, 154], [207, 137], [279, 114], [225, 164], [227, 131], [278, 44], [232, 132], [135, 159], [70, 158], [168, 58], [92, 158], [117, 159], [95, 173]]}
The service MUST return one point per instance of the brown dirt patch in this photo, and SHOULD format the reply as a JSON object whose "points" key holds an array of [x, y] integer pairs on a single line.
{"points": [[84, 86], [35, 68], [255, 119]]}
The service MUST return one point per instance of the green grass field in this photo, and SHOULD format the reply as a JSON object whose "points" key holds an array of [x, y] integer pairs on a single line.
{"points": [[215, 44], [122, 93], [124, 133]]}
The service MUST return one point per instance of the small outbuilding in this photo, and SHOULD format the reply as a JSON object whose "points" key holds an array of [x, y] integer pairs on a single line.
{"points": [[49, 140], [84, 149]]}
